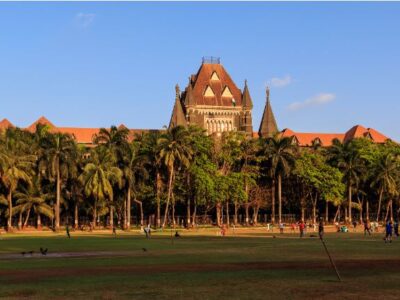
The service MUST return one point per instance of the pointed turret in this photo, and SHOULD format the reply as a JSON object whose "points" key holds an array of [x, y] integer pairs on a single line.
{"points": [[247, 102], [178, 116], [268, 125], [189, 100]]}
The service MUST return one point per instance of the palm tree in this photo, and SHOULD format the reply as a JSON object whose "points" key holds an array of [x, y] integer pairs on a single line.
{"points": [[385, 173], [175, 152], [346, 157], [115, 139], [32, 198], [133, 169], [98, 178], [58, 158], [279, 151], [14, 169]]}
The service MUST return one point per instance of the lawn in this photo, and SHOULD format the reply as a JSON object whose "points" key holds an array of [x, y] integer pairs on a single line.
{"points": [[199, 265]]}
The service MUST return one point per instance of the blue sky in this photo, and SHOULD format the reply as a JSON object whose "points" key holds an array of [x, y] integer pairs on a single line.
{"points": [[330, 65]]}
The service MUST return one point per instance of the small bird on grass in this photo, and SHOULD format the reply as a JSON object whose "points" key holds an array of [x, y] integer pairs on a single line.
{"points": [[23, 253], [144, 249], [43, 251], [274, 236]]}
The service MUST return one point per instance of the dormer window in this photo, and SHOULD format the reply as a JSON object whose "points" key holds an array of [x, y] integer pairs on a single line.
{"points": [[208, 92], [227, 93], [214, 76]]}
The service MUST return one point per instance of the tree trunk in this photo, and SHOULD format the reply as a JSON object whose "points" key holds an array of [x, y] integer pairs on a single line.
{"points": [[57, 208], [391, 210], [141, 212], [38, 222], [111, 216], [194, 215], [247, 206], [128, 209], [303, 210], [227, 214], [326, 211], [20, 220], [349, 199], [387, 210], [255, 213], [9, 223], [76, 216], [280, 198], [273, 202], [337, 214], [173, 209], [379, 204], [95, 213], [367, 210], [314, 201], [171, 173], [188, 213], [218, 213], [235, 219], [361, 204], [158, 212], [27, 218]]}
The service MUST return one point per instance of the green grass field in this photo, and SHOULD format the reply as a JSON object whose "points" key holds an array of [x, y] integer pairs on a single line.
{"points": [[201, 265]]}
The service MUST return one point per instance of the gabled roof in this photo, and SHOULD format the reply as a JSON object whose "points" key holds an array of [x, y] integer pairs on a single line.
{"points": [[42, 120], [202, 79], [4, 124], [305, 139], [268, 126]]}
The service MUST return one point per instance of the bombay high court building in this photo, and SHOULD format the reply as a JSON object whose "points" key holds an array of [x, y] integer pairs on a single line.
{"points": [[212, 100]]}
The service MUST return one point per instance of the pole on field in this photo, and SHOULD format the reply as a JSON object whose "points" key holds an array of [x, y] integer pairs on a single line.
{"points": [[330, 258]]}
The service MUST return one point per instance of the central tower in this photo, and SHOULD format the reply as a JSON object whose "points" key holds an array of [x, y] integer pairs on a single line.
{"points": [[212, 101]]}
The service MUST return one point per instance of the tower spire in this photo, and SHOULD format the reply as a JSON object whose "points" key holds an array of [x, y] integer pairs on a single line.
{"points": [[268, 126], [178, 116]]}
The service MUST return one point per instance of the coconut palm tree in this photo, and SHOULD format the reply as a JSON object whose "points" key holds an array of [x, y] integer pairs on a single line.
{"points": [[346, 157], [175, 152], [58, 159], [98, 178], [15, 168], [279, 151], [133, 169], [386, 172], [32, 198]]}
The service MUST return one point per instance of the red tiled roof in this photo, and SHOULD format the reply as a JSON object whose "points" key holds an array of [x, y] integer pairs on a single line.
{"points": [[376, 136], [202, 79], [4, 124], [41, 120]]}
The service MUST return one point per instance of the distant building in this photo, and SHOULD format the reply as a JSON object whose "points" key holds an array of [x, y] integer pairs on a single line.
{"points": [[212, 101]]}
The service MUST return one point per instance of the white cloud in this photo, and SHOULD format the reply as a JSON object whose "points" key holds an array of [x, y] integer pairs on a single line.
{"points": [[280, 82], [84, 20], [319, 99]]}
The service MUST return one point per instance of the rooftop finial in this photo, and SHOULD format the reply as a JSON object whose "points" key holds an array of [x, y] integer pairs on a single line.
{"points": [[267, 92], [245, 82]]}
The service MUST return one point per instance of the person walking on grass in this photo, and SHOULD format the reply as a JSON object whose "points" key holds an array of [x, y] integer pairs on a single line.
{"points": [[321, 229], [114, 231], [301, 228], [367, 227], [281, 227], [67, 230], [389, 232]]}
